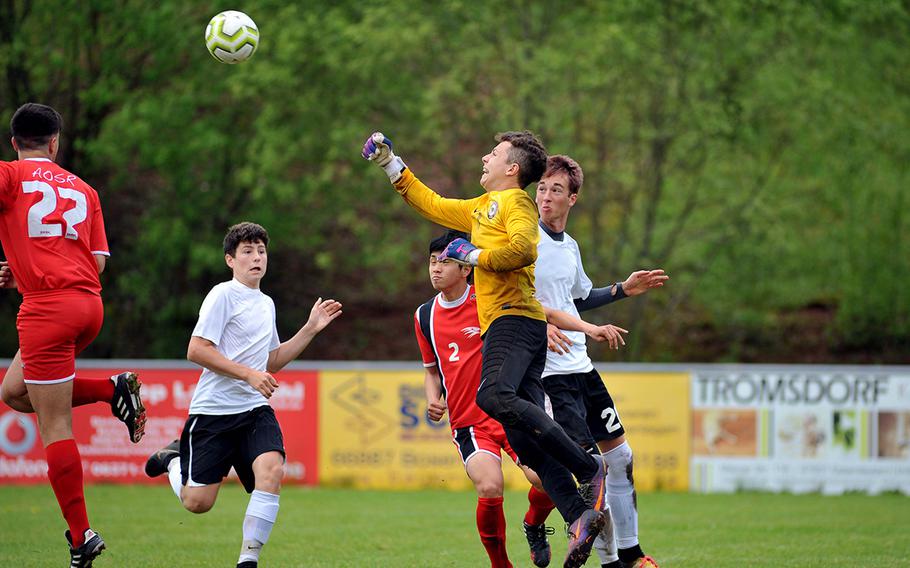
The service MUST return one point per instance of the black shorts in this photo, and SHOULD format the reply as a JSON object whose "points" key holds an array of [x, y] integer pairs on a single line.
{"points": [[582, 405], [602, 416], [569, 407], [211, 444]]}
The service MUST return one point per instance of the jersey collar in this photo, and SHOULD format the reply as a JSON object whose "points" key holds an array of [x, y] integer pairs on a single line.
{"points": [[454, 303]]}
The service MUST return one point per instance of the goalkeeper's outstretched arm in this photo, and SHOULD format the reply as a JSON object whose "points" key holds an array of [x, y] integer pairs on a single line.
{"points": [[452, 213]]}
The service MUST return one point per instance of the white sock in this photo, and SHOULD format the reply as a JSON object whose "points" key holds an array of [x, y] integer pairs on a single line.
{"points": [[621, 495], [605, 543], [257, 524], [175, 477]]}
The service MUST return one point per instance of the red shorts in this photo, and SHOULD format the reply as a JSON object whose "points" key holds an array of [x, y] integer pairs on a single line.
{"points": [[53, 329], [487, 436]]}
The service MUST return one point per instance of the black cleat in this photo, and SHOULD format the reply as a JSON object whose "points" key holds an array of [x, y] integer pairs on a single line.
{"points": [[126, 404], [538, 543], [248, 564], [83, 556], [158, 462], [581, 537]]}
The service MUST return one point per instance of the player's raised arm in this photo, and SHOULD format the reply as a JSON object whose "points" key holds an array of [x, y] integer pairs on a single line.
{"points": [[637, 283], [322, 314], [452, 213]]}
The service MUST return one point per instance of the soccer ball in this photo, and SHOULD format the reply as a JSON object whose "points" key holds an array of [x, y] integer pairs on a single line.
{"points": [[231, 37]]}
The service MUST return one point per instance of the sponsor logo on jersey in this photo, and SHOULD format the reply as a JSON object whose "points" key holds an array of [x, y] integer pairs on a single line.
{"points": [[470, 331]]}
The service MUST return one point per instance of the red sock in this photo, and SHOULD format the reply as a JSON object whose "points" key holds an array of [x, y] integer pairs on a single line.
{"points": [[87, 391], [491, 524], [64, 469], [540, 507]]}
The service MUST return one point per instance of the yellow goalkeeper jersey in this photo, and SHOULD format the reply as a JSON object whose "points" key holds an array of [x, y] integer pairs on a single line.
{"points": [[503, 224]]}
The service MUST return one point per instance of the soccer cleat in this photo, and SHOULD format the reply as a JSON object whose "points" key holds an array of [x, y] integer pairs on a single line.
{"points": [[126, 404], [594, 492], [538, 543], [248, 564], [581, 537], [83, 556], [158, 462], [644, 562]]}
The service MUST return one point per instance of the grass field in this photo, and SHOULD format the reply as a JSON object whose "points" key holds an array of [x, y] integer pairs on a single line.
{"points": [[146, 527]]}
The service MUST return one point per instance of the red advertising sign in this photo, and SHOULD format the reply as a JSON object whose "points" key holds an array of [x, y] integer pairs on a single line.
{"points": [[107, 454]]}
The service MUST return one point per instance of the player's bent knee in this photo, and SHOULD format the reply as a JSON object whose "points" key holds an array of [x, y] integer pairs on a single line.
{"points": [[489, 489], [197, 502], [16, 401], [496, 405], [197, 506]]}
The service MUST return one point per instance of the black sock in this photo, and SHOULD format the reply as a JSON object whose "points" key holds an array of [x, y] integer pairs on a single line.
{"points": [[630, 555]]}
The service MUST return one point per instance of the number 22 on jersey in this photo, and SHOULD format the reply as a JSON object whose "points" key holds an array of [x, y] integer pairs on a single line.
{"points": [[48, 203]]}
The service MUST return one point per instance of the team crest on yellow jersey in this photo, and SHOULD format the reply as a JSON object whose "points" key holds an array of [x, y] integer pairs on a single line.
{"points": [[493, 210]]}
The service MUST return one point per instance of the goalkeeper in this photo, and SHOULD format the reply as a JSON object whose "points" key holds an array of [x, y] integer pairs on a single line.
{"points": [[503, 225]]}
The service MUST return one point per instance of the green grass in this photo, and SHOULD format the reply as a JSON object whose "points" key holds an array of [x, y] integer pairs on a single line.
{"points": [[146, 527]]}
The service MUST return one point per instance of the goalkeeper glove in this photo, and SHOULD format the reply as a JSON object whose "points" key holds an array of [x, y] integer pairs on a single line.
{"points": [[378, 149], [462, 252]]}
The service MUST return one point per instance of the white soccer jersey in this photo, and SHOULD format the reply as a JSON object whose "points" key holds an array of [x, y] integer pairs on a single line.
{"points": [[559, 277], [240, 321]]}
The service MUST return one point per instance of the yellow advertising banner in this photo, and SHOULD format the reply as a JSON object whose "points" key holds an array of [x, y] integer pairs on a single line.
{"points": [[373, 432], [654, 410]]}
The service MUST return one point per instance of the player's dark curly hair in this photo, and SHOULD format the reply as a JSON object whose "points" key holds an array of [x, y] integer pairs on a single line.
{"points": [[573, 171], [245, 232], [33, 125], [528, 152]]}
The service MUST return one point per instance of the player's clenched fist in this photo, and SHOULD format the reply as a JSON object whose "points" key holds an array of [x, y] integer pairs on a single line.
{"points": [[435, 410], [378, 149], [263, 382]]}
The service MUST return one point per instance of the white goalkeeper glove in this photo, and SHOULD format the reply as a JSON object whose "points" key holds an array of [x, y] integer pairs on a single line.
{"points": [[378, 149]]}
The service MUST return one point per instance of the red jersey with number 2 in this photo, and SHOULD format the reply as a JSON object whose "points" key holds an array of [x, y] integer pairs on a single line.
{"points": [[456, 349], [50, 227]]}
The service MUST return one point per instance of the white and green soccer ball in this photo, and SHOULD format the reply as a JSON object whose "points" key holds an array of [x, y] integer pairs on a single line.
{"points": [[231, 37]]}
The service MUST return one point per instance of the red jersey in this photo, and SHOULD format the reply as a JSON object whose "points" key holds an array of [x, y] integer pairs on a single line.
{"points": [[50, 227], [455, 348]]}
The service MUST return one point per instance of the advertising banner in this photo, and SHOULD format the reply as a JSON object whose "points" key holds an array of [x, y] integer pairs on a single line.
{"points": [[374, 433], [654, 410], [107, 454], [829, 431]]}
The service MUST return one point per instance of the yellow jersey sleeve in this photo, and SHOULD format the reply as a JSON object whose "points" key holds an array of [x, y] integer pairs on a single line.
{"points": [[452, 213]]}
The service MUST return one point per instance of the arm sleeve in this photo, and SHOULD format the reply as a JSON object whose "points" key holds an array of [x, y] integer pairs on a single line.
{"points": [[98, 236], [213, 316], [8, 189], [600, 297], [426, 350], [452, 213], [521, 227]]}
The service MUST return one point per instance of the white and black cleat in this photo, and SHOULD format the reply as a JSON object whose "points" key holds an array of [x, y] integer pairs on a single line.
{"points": [[126, 405], [82, 556]]}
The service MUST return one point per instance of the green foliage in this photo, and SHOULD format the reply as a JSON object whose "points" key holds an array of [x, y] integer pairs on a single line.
{"points": [[755, 150]]}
